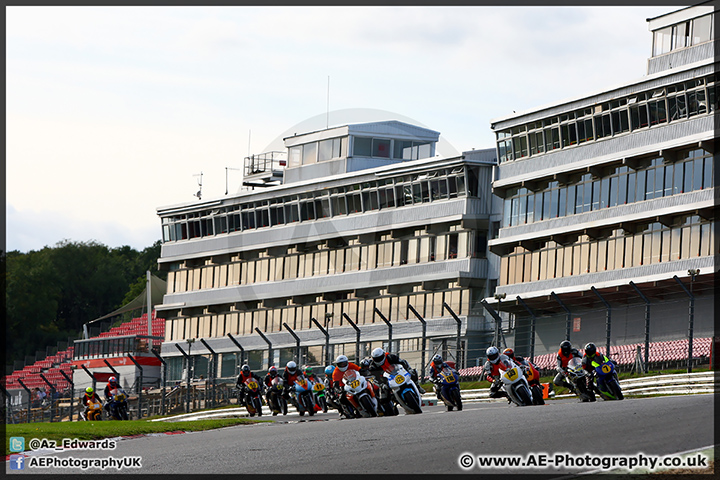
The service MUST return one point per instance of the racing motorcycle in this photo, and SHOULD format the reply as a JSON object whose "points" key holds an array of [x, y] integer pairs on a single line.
{"points": [[94, 411], [404, 389], [357, 390], [607, 383], [117, 406], [516, 386], [579, 379], [304, 397], [253, 400], [318, 390], [276, 401], [533, 378], [449, 388], [384, 396]]}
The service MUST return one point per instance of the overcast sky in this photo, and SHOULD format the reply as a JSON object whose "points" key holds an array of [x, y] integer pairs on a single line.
{"points": [[113, 112]]}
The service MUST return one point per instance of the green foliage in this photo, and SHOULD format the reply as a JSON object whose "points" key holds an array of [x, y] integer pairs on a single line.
{"points": [[51, 293]]}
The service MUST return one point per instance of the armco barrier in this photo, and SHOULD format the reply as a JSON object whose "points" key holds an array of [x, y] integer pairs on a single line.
{"points": [[684, 383]]}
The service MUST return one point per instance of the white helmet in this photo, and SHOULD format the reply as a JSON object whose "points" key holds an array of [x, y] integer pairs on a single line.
{"points": [[342, 362], [291, 366], [378, 356], [493, 354]]}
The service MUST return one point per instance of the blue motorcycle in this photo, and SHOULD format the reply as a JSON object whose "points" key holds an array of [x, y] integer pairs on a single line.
{"points": [[607, 384], [449, 388]]}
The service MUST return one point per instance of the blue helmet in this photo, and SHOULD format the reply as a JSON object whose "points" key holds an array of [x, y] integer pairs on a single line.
{"points": [[329, 369]]}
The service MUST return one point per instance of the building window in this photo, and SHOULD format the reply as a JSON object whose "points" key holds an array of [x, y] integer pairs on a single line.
{"points": [[362, 147]]}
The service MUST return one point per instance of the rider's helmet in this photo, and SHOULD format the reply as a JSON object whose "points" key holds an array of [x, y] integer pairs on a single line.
{"points": [[493, 354], [112, 381], [329, 370], [366, 363], [308, 370], [272, 371], [89, 391], [565, 347], [378, 356], [342, 362], [437, 361], [590, 349], [509, 352], [245, 370], [291, 367]]}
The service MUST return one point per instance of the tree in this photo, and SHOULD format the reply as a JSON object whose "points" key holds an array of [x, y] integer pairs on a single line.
{"points": [[51, 293]]}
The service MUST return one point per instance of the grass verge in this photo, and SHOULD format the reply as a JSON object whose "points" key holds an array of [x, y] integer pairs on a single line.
{"points": [[109, 429]]}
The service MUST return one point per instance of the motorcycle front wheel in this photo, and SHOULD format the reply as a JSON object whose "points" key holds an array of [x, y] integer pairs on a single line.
{"points": [[411, 401], [615, 389], [367, 405], [457, 400], [523, 395]]}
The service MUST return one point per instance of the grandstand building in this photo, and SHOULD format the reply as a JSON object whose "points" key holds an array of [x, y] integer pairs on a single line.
{"points": [[608, 228], [355, 237]]}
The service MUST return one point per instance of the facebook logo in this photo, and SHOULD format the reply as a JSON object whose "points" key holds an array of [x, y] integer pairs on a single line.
{"points": [[17, 462]]}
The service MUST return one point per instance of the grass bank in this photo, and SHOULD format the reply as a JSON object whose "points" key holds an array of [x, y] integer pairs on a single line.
{"points": [[109, 429]]}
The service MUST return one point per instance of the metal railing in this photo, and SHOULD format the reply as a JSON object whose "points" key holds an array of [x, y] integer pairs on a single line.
{"points": [[265, 162]]}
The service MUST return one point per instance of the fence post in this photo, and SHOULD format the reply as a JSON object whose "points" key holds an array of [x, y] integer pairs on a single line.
{"points": [[72, 394], [114, 371], [297, 343], [92, 377], [569, 315], [532, 327], [53, 408], [270, 349], [457, 341], [214, 367], [608, 324], [647, 323], [424, 338], [163, 379], [138, 389], [387, 322], [242, 350], [187, 376], [357, 336], [691, 315], [328, 360], [27, 420]]}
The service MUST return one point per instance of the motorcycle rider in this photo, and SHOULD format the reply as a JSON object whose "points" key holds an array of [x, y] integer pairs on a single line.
{"points": [[332, 393], [267, 381], [111, 385], [90, 396], [590, 361], [310, 374], [520, 360], [494, 364], [436, 366], [342, 364], [383, 361], [245, 375], [289, 376], [565, 353]]}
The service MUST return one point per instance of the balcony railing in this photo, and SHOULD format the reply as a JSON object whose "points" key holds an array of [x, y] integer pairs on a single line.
{"points": [[269, 162]]}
